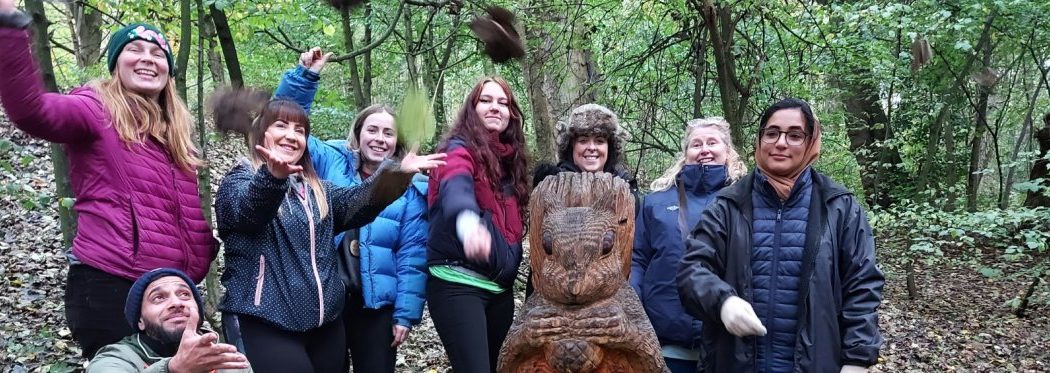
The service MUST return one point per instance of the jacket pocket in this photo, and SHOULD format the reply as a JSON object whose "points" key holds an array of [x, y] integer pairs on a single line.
{"points": [[259, 281], [135, 236]]}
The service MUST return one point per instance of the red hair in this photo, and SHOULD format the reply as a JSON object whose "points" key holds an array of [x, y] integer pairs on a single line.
{"points": [[470, 128]]}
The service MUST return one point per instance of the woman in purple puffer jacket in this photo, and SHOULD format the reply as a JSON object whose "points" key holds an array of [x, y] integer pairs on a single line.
{"points": [[133, 170]]}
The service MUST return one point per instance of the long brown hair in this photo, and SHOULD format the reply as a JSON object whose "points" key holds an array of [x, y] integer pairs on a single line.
{"points": [[470, 128], [166, 119], [287, 111]]}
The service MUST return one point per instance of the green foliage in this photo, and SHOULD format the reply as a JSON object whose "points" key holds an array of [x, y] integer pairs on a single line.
{"points": [[989, 241]]}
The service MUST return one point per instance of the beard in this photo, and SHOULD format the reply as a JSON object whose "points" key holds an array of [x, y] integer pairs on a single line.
{"points": [[158, 333]]}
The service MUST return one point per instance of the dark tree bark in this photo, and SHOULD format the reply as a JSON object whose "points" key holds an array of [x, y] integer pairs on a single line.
{"points": [[1039, 171], [182, 59], [356, 81], [63, 192], [868, 128], [229, 48], [86, 27]]}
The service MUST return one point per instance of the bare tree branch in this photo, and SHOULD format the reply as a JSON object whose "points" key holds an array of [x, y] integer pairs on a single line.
{"points": [[375, 43]]}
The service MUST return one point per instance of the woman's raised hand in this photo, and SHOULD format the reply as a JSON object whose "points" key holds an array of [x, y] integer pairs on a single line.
{"points": [[313, 59], [280, 166], [413, 162]]}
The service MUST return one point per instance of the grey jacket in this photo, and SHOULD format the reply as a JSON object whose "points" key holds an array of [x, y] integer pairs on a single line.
{"points": [[132, 355]]}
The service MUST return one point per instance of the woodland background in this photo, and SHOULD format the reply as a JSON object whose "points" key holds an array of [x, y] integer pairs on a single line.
{"points": [[931, 112]]}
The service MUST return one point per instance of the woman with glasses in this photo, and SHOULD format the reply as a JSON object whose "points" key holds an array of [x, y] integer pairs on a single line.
{"points": [[782, 264], [707, 164]]}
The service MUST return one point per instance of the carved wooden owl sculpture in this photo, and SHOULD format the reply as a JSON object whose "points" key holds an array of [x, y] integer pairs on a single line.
{"points": [[583, 317]]}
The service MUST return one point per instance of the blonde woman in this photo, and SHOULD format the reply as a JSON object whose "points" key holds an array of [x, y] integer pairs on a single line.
{"points": [[133, 169], [708, 163]]}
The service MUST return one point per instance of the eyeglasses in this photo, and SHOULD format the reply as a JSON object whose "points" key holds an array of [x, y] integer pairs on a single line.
{"points": [[793, 138]]}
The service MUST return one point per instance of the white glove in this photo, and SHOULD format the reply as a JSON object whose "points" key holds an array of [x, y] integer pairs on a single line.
{"points": [[853, 369], [740, 319]]}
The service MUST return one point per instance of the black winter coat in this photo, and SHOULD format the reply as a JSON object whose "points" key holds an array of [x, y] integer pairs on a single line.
{"points": [[838, 318]]}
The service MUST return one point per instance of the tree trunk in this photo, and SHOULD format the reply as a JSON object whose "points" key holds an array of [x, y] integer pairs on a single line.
{"points": [[434, 71], [1022, 138], [927, 176], [554, 89], [211, 280], [532, 69], [63, 192], [411, 48], [974, 172], [869, 128], [721, 27], [1039, 171], [698, 51], [356, 83], [366, 58], [229, 48], [182, 59], [86, 30], [207, 28]]}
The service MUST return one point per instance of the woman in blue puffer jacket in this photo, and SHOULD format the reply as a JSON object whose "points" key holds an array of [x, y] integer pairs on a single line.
{"points": [[393, 247], [708, 163]]}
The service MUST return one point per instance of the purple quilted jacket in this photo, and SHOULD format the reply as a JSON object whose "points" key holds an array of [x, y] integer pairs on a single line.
{"points": [[137, 209]]}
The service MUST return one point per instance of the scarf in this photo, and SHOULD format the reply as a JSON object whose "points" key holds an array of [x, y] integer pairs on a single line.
{"points": [[783, 182]]}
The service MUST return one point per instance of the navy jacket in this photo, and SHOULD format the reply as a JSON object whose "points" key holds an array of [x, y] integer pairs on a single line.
{"points": [[281, 264], [779, 237], [393, 247], [841, 286], [658, 248]]}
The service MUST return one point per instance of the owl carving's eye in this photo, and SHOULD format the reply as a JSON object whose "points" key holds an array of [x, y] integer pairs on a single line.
{"points": [[548, 243], [607, 242]]}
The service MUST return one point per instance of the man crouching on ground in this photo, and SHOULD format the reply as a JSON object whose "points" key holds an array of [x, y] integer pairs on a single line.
{"points": [[160, 305]]}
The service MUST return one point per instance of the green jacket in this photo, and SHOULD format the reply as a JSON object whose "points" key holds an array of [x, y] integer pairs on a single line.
{"points": [[131, 355]]}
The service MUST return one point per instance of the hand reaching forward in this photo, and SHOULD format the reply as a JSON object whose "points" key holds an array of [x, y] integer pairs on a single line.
{"points": [[400, 335], [314, 60], [413, 162], [740, 319], [280, 165], [853, 369], [200, 353], [478, 244]]}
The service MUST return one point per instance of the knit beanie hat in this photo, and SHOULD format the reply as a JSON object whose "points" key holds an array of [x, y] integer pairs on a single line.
{"points": [[133, 305], [132, 32], [591, 120]]}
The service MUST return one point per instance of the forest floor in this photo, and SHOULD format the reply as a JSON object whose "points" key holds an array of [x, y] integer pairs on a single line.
{"points": [[960, 321]]}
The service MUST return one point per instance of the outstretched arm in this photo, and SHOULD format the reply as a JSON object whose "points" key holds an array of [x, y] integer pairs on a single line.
{"points": [[72, 118]]}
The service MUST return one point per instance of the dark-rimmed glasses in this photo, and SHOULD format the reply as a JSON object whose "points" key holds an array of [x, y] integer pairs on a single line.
{"points": [[793, 137]]}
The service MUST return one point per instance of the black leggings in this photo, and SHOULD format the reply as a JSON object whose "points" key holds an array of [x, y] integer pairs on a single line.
{"points": [[471, 322], [369, 333], [95, 308], [270, 349]]}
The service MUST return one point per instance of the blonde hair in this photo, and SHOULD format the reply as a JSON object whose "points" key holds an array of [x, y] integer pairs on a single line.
{"points": [[166, 119], [735, 167]]}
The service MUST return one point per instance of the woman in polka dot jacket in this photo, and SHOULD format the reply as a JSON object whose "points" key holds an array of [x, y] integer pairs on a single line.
{"points": [[284, 295]]}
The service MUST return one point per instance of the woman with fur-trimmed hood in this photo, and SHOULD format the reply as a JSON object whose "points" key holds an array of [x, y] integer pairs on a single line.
{"points": [[590, 140]]}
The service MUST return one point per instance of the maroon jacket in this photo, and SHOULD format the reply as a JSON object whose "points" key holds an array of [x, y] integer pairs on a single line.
{"points": [[462, 185], [137, 210]]}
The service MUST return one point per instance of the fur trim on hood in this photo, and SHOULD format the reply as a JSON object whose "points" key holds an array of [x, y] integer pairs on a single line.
{"points": [[595, 120]]}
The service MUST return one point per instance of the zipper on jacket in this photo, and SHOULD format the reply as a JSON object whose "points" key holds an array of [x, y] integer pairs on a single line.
{"points": [[307, 206], [770, 301], [259, 280]]}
